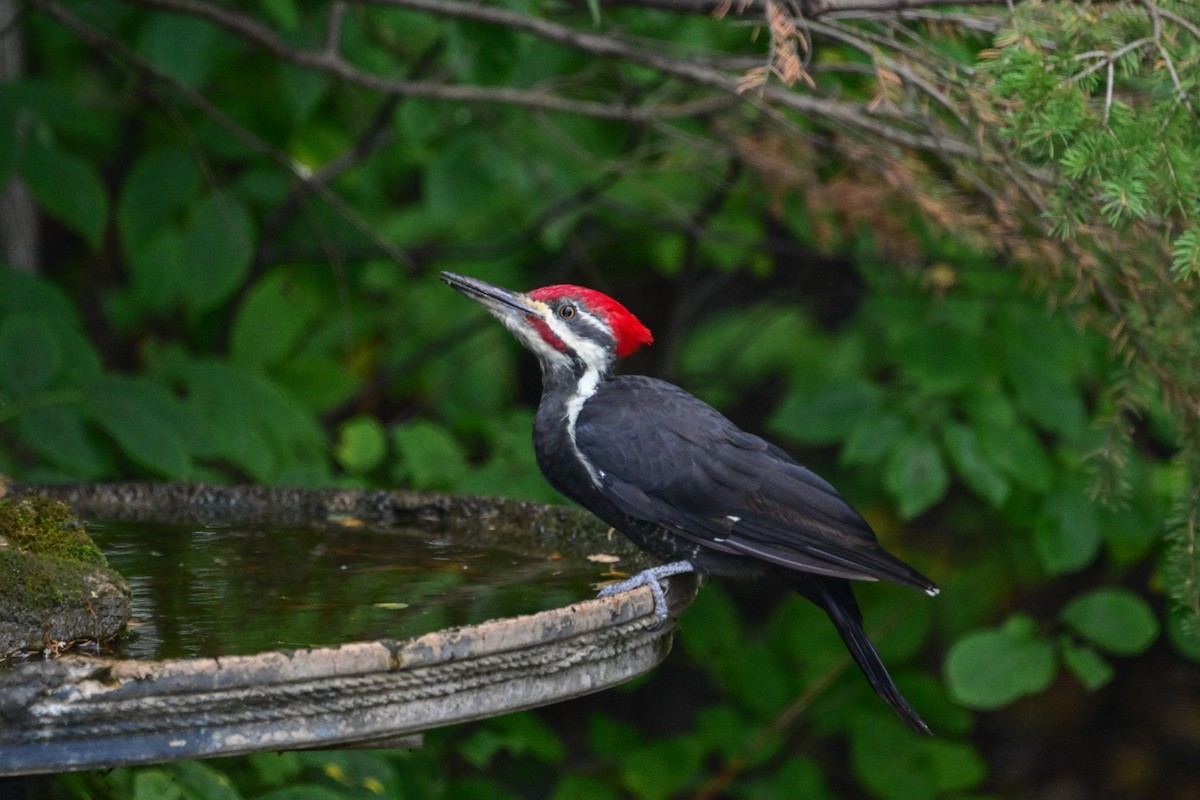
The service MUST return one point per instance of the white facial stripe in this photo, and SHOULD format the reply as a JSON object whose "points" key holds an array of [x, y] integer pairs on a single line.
{"points": [[587, 386], [594, 355]]}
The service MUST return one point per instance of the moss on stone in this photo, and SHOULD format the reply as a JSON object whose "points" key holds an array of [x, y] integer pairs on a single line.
{"points": [[55, 585], [37, 525], [40, 583]]}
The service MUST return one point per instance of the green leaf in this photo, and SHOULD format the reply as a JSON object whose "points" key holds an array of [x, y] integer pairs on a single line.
{"points": [[521, 734], [748, 345], [42, 103], [275, 769], [304, 791], [725, 728], [218, 245], [200, 780], [31, 356], [155, 784], [511, 469], [361, 444], [145, 420], [427, 456], [972, 464], [1066, 535], [660, 769], [284, 12], [872, 438], [303, 90], [1009, 443], [157, 268], [1115, 619], [182, 47], [799, 777], [1040, 355], [715, 641], [68, 188], [895, 764], [319, 382], [481, 53], [610, 738], [580, 787], [916, 476], [254, 423], [828, 414], [941, 359], [20, 292], [759, 678], [472, 183], [991, 668], [159, 185], [1086, 664], [364, 773], [278, 311], [235, 418], [57, 433]]}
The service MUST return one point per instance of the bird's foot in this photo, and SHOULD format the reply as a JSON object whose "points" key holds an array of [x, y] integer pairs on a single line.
{"points": [[653, 578]]}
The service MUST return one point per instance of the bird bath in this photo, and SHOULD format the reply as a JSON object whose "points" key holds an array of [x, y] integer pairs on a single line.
{"points": [[271, 619]]}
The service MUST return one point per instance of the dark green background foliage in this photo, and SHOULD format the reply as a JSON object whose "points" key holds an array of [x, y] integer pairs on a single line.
{"points": [[947, 259]]}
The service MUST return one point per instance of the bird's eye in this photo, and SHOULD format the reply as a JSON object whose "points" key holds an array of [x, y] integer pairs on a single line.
{"points": [[566, 312]]}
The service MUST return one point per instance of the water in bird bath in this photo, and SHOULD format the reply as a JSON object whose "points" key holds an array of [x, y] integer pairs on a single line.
{"points": [[209, 591]]}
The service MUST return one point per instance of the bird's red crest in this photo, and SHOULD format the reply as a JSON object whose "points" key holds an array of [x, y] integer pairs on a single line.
{"points": [[628, 330]]}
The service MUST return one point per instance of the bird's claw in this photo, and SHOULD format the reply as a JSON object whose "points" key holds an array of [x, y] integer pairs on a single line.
{"points": [[652, 578]]}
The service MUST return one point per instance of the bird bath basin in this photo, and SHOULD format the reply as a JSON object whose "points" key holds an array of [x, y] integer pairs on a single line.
{"points": [[271, 619]]}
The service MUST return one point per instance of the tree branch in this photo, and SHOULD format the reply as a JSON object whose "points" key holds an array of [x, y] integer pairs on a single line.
{"points": [[853, 116], [329, 62], [811, 8]]}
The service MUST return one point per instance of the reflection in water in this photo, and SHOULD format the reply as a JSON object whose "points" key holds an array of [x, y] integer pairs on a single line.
{"points": [[224, 591]]}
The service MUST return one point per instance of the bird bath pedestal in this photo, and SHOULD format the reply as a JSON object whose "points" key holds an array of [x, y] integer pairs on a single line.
{"points": [[86, 711]]}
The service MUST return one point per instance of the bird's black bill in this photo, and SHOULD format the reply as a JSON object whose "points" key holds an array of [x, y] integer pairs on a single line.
{"points": [[489, 295]]}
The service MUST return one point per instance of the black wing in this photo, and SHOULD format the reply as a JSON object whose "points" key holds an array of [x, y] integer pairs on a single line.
{"points": [[668, 457]]}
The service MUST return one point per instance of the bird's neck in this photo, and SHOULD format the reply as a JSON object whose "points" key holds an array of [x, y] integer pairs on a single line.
{"points": [[564, 394], [564, 384], [565, 391]]}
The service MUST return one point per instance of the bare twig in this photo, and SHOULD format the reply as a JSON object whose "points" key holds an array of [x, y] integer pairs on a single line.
{"points": [[1182, 22], [811, 8], [1156, 16], [853, 116], [250, 29], [333, 31], [1104, 58], [1108, 92]]}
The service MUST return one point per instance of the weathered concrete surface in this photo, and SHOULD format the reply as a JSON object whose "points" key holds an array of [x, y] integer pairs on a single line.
{"points": [[78, 712]]}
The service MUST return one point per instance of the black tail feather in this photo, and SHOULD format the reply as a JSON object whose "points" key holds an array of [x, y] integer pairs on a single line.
{"points": [[835, 596]]}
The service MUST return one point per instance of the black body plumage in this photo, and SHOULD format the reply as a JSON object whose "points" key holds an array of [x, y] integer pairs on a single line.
{"points": [[686, 484]]}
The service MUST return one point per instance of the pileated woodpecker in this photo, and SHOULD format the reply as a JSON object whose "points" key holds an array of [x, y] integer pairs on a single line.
{"points": [[678, 478]]}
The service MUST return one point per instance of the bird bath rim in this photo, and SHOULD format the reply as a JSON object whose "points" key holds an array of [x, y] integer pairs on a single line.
{"points": [[81, 712]]}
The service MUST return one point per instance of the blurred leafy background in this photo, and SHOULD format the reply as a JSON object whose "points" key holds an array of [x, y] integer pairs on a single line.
{"points": [[945, 255]]}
